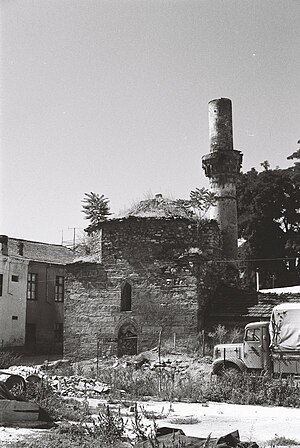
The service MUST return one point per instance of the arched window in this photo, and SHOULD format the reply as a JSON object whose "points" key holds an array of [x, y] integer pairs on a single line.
{"points": [[126, 297]]}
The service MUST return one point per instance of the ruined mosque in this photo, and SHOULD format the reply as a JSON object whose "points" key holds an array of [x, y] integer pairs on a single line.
{"points": [[156, 271]]}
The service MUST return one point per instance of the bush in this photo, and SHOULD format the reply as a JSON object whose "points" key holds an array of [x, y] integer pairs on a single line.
{"points": [[255, 390], [282, 441], [8, 358]]}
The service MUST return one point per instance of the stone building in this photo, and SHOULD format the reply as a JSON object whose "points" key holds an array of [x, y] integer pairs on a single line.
{"points": [[32, 295], [159, 268], [155, 274]]}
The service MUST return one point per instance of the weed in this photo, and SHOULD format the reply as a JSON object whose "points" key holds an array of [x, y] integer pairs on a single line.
{"points": [[8, 359], [282, 441], [219, 334], [107, 430], [152, 415]]}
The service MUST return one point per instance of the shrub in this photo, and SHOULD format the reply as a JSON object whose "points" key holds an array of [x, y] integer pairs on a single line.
{"points": [[107, 431], [256, 390], [8, 358], [282, 441]]}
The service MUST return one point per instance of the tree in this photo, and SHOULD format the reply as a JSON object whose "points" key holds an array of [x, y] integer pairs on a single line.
{"points": [[201, 200], [266, 165], [269, 221], [96, 208], [295, 155]]}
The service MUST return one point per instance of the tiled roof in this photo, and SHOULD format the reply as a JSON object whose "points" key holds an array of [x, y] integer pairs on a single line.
{"points": [[42, 252], [267, 301]]}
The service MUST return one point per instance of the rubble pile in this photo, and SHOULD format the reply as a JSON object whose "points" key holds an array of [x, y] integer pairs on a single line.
{"points": [[173, 366], [69, 386], [77, 386]]}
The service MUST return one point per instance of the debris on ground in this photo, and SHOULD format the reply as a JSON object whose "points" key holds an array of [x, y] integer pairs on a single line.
{"points": [[166, 435], [75, 386], [78, 386]]}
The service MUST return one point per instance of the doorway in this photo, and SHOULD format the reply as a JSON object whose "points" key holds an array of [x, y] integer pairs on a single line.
{"points": [[127, 339]]}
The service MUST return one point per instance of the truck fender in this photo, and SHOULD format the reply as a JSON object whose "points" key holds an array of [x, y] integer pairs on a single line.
{"points": [[218, 364]]}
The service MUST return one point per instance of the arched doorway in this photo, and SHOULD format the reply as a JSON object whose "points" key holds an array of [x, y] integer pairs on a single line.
{"points": [[127, 339]]}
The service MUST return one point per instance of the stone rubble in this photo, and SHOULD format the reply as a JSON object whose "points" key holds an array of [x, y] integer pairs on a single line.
{"points": [[69, 386]]}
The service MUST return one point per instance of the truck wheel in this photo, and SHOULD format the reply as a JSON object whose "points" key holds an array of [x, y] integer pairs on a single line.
{"points": [[227, 370]]}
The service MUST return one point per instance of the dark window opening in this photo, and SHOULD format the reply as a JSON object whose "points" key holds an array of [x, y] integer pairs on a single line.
{"points": [[20, 248], [58, 332], [126, 297], [14, 278], [14, 317], [1, 284], [32, 287], [4, 244], [30, 333], [59, 289]]}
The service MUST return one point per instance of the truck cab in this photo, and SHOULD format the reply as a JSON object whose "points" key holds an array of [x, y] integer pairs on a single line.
{"points": [[252, 354]]}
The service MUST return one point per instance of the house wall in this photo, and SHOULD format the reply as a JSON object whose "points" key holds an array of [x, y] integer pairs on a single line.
{"points": [[13, 301], [167, 264], [45, 312]]}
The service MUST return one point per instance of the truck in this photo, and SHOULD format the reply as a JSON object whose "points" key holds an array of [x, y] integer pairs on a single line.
{"points": [[268, 346]]}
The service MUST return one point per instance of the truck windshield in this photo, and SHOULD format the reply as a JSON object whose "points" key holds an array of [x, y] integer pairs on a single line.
{"points": [[252, 334]]}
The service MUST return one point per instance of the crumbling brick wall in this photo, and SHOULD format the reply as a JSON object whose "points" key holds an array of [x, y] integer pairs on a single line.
{"points": [[168, 264]]}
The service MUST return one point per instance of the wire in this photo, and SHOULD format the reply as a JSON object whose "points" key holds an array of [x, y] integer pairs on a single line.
{"points": [[248, 260]]}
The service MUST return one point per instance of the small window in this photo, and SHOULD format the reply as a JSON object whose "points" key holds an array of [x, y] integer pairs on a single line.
{"points": [[59, 288], [20, 248], [32, 286], [253, 334], [14, 317], [1, 284], [126, 297], [14, 278], [58, 332]]}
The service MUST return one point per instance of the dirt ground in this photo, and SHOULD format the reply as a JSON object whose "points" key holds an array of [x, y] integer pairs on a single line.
{"points": [[255, 423]]}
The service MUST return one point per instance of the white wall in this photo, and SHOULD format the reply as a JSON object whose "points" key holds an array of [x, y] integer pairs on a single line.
{"points": [[13, 301]]}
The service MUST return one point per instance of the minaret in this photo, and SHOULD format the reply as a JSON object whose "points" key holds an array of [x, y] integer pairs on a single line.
{"points": [[222, 166]]}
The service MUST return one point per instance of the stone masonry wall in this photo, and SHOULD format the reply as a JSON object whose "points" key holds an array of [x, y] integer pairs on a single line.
{"points": [[167, 262]]}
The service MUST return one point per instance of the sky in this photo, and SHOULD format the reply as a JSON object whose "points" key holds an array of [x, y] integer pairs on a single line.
{"points": [[111, 96]]}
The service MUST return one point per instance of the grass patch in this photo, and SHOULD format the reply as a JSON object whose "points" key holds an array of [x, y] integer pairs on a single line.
{"points": [[282, 441], [198, 386]]}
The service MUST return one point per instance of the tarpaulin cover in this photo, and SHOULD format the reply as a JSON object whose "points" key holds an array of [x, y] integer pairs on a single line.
{"points": [[285, 326]]}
